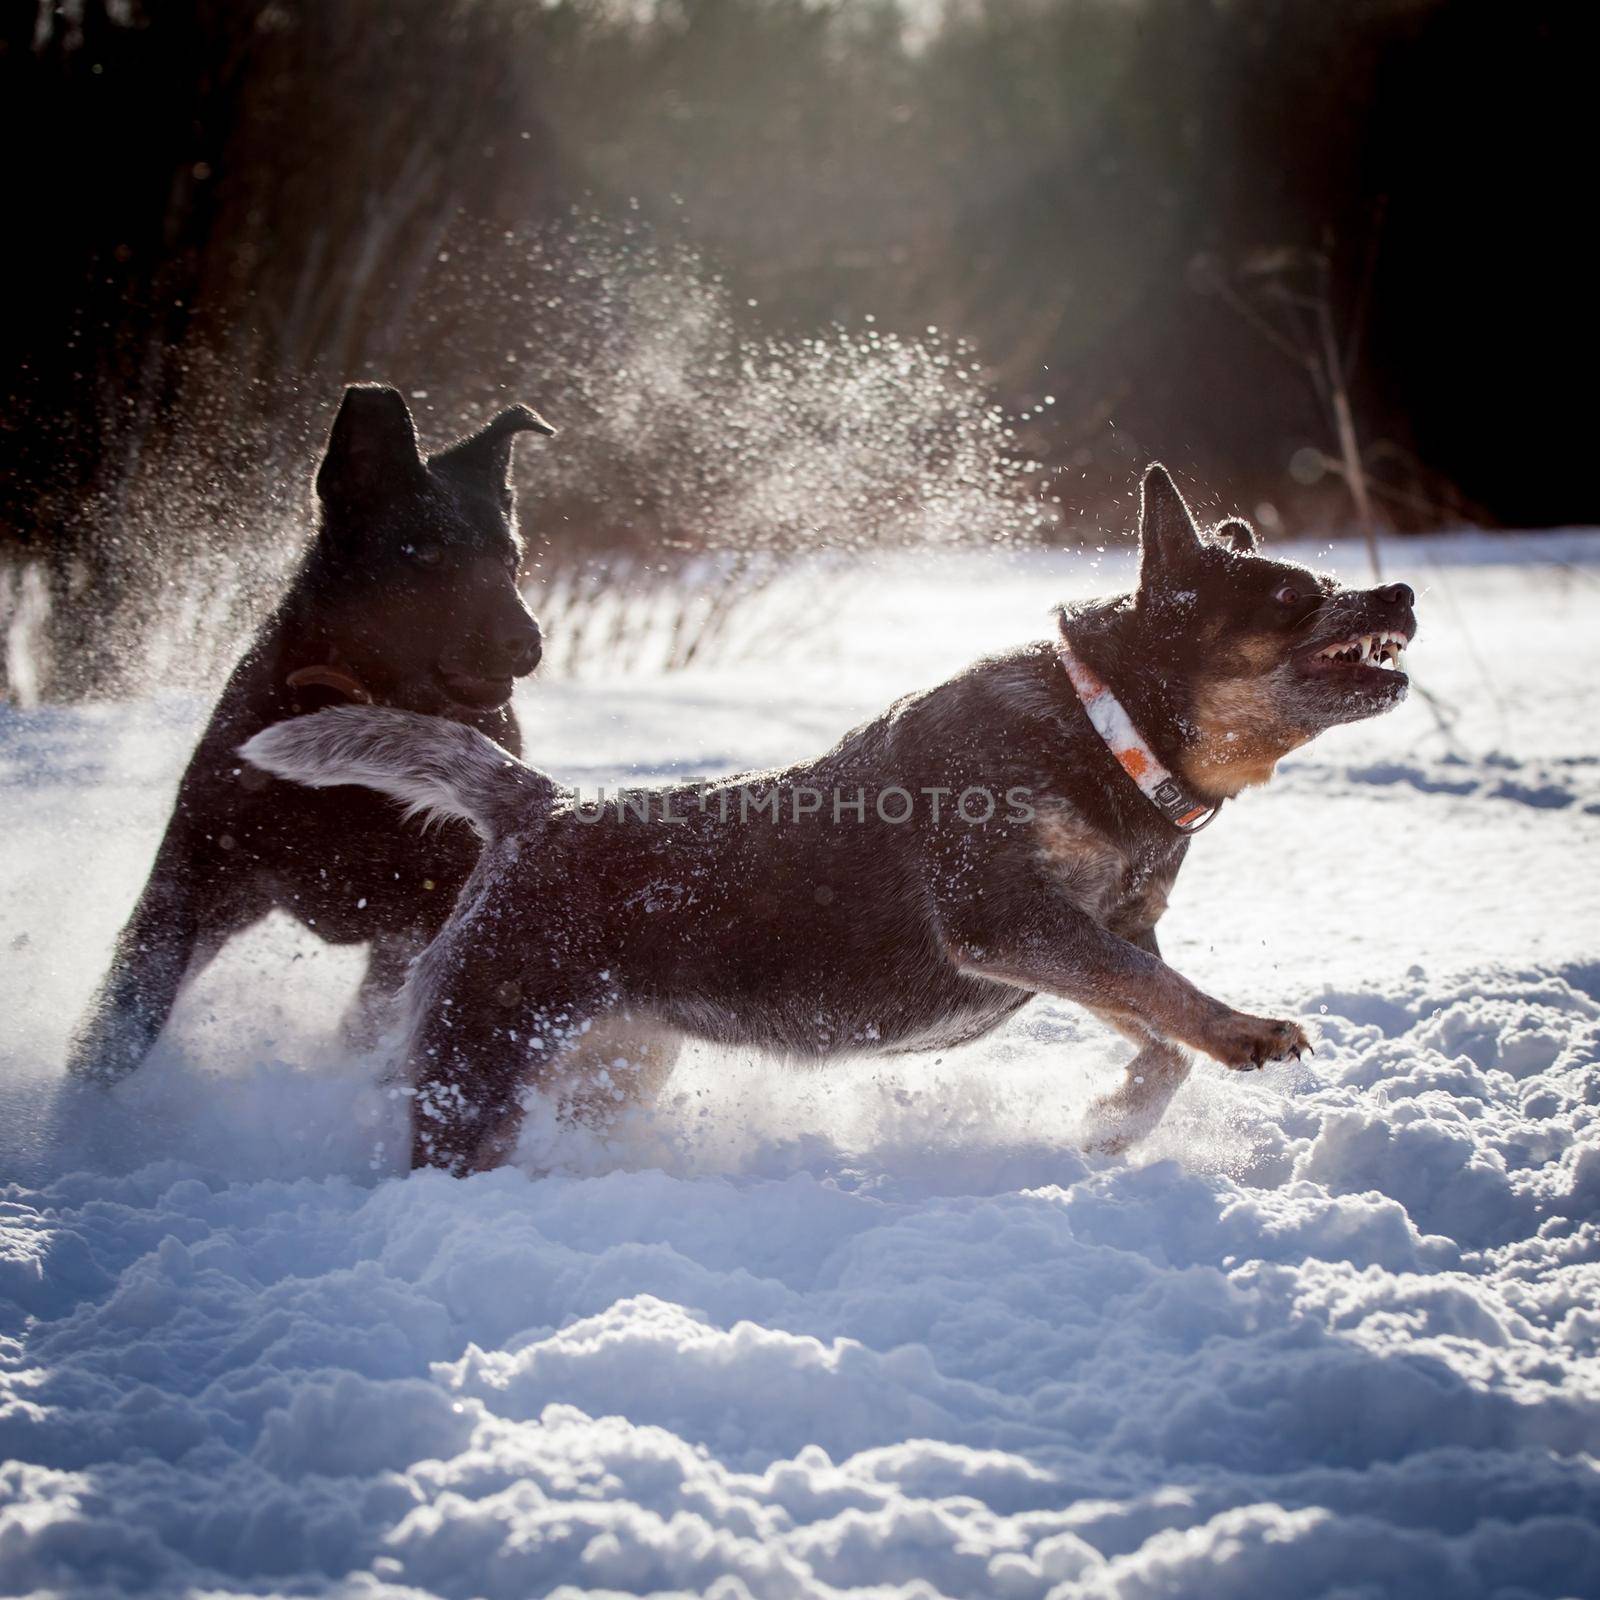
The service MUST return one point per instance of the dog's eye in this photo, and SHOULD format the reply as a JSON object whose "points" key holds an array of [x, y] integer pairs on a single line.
{"points": [[425, 555], [1286, 594]]}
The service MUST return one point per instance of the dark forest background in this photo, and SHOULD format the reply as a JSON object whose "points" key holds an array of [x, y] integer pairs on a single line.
{"points": [[1191, 229]]}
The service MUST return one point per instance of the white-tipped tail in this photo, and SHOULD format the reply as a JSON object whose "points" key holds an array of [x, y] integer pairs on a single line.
{"points": [[435, 768]]}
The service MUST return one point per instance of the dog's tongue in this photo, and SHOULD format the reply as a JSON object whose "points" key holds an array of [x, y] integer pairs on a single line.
{"points": [[325, 676]]}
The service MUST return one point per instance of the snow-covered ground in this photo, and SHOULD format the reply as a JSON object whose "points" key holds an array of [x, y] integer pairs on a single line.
{"points": [[882, 1329]]}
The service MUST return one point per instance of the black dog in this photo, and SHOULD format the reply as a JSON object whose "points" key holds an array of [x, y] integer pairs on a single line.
{"points": [[1013, 832], [407, 597]]}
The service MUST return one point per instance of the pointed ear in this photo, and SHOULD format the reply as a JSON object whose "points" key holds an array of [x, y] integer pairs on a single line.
{"points": [[1168, 538], [1236, 534], [483, 460], [372, 450]]}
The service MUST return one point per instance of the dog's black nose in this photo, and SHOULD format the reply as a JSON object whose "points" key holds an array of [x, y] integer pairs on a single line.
{"points": [[1398, 594], [520, 645]]}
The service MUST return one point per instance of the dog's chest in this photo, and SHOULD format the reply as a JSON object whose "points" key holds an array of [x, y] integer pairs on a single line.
{"points": [[1116, 888]]}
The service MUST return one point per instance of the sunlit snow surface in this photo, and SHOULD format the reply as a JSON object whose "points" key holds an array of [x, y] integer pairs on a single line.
{"points": [[881, 1329]]}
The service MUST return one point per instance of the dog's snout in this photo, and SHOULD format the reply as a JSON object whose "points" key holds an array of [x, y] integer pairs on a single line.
{"points": [[1398, 594], [520, 644]]}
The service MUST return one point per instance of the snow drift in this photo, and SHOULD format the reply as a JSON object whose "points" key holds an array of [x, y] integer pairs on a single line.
{"points": [[879, 1330]]}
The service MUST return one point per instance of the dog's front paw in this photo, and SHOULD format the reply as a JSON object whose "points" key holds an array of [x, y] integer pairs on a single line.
{"points": [[1244, 1042]]}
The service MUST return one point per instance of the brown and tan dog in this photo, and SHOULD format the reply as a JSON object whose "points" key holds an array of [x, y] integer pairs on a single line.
{"points": [[1013, 832]]}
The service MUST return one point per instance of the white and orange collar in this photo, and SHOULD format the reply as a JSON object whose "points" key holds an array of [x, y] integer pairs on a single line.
{"points": [[1131, 750]]}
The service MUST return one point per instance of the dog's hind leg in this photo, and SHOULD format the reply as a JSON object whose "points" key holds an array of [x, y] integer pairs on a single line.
{"points": [[483, 1025], [469, 1097], [470, 1063], [620, 1062], [375, 1006], [477, 1051], [592, 1069]]}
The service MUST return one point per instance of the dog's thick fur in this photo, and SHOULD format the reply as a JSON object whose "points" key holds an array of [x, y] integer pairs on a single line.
{"points": [[586, 947], [407, 597]]}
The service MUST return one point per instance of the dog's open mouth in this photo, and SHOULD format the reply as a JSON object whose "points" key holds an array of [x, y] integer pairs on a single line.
{"points": [[478, 693], [1369, 658]]}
